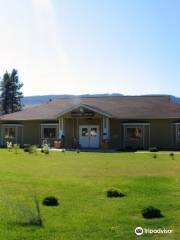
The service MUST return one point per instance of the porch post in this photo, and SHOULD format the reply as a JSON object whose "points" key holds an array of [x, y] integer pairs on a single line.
{"points": [[16, 133], [61, 127], [105, 129]]}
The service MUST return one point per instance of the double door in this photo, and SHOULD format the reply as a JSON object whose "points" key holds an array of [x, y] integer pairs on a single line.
{"points": [[89, 136]]}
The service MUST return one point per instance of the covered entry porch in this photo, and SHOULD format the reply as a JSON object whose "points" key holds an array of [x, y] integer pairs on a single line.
{"points": [[84, 128], [80, 127]]}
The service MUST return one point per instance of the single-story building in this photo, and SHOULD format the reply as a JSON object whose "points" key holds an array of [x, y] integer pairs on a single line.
{"points": [[120, 122]]}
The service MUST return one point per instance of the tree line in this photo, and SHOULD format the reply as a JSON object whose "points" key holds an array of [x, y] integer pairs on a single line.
{"points": [[10, 92]]}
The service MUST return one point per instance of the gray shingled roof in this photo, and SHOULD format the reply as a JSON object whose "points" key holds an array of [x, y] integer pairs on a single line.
{"points": [[123, 107]]}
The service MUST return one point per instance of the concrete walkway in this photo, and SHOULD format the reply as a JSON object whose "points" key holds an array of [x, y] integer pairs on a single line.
{"points": [[159, 152]]}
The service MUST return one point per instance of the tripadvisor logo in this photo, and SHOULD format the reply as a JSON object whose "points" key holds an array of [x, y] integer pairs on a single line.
{"points": [[139, 231]]}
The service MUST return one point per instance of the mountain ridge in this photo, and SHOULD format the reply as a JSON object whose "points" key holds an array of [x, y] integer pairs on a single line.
{"points": [[40, 99]]}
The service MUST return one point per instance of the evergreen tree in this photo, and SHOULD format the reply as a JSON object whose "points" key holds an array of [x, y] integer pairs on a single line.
{"points": [[10, 92]]}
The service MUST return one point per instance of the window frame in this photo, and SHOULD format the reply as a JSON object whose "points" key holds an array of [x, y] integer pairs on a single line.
{"points": [[135, 125], [49, 126]]}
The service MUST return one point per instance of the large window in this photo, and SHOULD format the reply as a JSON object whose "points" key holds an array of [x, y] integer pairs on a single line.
{"points": [[178, 133], [10, 133], [136, 135], [49, 132]]}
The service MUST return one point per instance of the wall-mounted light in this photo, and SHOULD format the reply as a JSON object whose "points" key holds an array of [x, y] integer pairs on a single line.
{"points": [[81, 110]]}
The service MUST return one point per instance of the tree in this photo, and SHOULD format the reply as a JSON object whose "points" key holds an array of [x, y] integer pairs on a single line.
{"points": [[11, 94]]}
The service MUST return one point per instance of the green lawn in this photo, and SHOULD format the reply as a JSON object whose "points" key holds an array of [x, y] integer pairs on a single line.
{"points": [[80, 182]]}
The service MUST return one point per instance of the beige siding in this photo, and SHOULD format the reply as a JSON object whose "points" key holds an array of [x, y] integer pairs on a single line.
{"points": [[161, 134], [116, 133], [31, 132], [68, 132]]}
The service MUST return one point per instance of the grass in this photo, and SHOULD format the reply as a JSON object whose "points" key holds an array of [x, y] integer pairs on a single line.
{"points": [[80, 182]]}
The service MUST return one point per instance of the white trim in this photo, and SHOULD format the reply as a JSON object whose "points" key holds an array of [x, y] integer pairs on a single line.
{"points": [[49, 124], [22, 134], [16, 133], [134, 124], [61, 127], [105, 128], [13, 125], [89, 141], [177, 126], [84, 106], [73, 128], [124, 133], [149, 136], [143, 128]]}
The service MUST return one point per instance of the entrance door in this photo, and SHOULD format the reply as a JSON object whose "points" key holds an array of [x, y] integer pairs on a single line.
{"points": [[89, 136]]}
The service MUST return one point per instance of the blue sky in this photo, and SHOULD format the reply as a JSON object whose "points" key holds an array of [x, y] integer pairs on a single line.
{"points": [[92, 46]]}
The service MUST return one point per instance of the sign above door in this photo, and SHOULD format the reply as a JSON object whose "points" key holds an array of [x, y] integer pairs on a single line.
{"points": [[81, 112]]}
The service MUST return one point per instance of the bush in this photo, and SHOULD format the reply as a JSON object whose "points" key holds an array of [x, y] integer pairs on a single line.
{"points": [[63, 150], [26, 149], [171, 155], [153, 149], [151, 212], [45, 149], [9, 145], [16, 148], [32, 149], [78, 150], [114, 192], [154, 156], [50, 201]]}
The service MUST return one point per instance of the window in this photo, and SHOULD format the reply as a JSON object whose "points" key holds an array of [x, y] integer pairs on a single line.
{"points": [[49, 132], [84, 132], [134, 132], [178, 133], [10, 132], [93, 132]]}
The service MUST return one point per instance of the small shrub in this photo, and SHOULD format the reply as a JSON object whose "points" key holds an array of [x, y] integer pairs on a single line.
{"points": [[114, 192], [63, 150], [9, 146], [16, 148], [50, 201], [78, 150], [33, 149], [26, 149], [153, 149], [155, 156], [171, 155], [45, 149], [151, 212]]}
